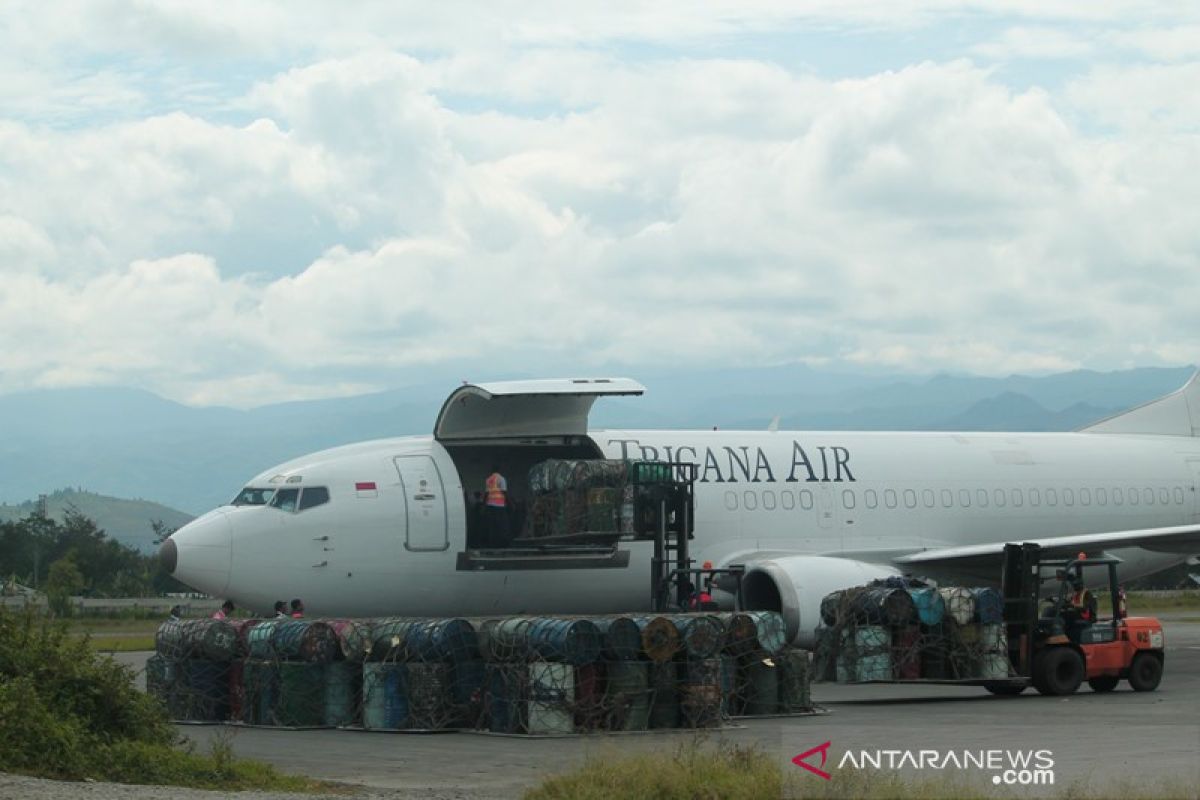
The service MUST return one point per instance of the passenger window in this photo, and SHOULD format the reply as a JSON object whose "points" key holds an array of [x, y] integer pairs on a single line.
{"points": [[981, 497], [1133, 497], [1085, 497], [731, 501], [871, 498], [947, 498], [806, 499], [750, 499], [1051, 497], [998, 496], [910, 498], [1118, 496], [1068, 497], [1101, 497], [847, 498], [964, 498], [1178, 496], [928, 498], [285, 499], [769, 500], [1035, 497], [889, 498], [1148, 497], [1164, 496], [1017, 498], [313, 496], [789, 499]]}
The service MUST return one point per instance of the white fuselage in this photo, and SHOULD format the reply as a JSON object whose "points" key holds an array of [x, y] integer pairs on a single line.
{"points": [[393, 549]]}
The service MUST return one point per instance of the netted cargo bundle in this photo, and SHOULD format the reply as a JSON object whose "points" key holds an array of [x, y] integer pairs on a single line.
{"points": [[579, 496], [543, 675], [402, 639], [557, 475], [897, 631], [212, 639]]}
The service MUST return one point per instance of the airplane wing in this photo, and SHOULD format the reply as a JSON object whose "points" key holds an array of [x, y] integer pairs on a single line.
{"points": [[1181, 539]]}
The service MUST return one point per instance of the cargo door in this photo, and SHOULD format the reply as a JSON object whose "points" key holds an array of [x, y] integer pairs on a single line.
{"points": [[525, 409], [424, 502]]}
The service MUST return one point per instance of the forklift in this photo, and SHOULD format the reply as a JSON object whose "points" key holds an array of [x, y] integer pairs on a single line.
{"points": [[1057, 646]]}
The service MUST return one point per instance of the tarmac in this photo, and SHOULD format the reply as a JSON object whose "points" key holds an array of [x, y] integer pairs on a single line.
{"points": [[1095, 741]]}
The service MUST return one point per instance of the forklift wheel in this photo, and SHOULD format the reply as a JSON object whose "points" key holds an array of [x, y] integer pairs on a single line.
{"points": [[1060, 670], [1005, 689], [1104, 683], [1145, 672]]}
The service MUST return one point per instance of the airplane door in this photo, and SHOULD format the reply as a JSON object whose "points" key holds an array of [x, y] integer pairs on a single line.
{"points": [[1195, 465], [424, 502]]}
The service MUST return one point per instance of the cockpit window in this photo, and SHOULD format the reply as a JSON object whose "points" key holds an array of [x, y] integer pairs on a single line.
{"points": [[313, 496], [253, 496], [285, 499]]}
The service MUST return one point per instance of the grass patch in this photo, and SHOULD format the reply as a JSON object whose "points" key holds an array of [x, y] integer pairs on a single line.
{"points": [[114, 625], [695, 771], [1144, 602], [120, 644], [692, 772]]}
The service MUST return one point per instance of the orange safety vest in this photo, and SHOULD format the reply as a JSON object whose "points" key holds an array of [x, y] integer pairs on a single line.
{"points": [[1079, 600], [495, 495]]}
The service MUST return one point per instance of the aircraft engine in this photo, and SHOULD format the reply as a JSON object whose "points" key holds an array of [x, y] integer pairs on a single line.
{"points": [[794, 586]]}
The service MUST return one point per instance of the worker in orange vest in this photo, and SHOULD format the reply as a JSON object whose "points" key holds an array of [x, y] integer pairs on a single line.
{"points": [[495, 507], [1082, 602]]}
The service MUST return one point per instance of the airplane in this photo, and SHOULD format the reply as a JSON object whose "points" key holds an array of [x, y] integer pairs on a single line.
{"points": [[384, 528]]}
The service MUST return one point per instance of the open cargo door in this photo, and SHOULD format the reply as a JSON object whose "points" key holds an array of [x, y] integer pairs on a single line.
{"points": [[525, 409]]}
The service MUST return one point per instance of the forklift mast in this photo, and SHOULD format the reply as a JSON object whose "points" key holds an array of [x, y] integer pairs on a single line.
{"points": [[1020, 583]]}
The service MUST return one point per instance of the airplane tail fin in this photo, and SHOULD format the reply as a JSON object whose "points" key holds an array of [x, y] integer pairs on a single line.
{"points": [[1177, 414]]}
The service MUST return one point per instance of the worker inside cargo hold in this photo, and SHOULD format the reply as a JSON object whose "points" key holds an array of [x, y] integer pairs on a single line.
{"points": [[495, 508]]}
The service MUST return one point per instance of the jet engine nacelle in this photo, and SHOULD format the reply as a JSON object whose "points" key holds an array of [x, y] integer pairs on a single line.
{"points": [[795, 585]]}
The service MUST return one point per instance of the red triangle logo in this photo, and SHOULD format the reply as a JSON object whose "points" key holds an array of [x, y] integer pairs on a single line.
{"points": [[800, 761]]}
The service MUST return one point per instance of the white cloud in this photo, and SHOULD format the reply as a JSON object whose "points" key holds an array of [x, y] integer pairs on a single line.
{"points": [[552, 208]]}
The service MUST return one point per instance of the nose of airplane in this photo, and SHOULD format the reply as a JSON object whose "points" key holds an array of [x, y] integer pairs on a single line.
{"points": [[200, 553]]}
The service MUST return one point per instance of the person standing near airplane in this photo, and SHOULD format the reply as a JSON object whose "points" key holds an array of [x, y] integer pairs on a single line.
{"points": [[496, 508], [280, 609], [224, 611], [297, 609]]}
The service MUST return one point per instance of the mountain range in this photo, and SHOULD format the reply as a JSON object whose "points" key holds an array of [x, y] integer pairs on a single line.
{"points": [[130, 443]]}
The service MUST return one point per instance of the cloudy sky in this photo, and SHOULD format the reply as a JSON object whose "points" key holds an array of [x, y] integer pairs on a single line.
{"points": [[280, 200]]}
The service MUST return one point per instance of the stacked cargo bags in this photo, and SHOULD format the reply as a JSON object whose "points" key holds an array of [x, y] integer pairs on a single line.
{"points": [[527, 675], [579, 496], [888, 631]]}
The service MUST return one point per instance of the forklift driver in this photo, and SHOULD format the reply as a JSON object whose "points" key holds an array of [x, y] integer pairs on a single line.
{"points": [[1081, 609]]}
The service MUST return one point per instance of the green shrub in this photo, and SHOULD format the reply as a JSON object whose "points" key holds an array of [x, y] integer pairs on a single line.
{"points": [[69, 712]]}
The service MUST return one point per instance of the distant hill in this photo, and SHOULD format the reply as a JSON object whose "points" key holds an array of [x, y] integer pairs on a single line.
{"points": [[126, 521], [130, 443]]}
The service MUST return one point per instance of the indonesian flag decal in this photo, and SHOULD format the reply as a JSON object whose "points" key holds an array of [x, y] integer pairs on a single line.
{"points": [[366, 489]]}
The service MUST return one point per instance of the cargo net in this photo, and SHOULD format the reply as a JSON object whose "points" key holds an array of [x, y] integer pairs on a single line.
{"points": [[522, 675], [579, 496], [902, 630]]}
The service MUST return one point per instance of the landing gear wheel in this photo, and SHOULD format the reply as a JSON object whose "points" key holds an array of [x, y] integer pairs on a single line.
{"points": [[1005, 689], [1145, 672], [1104, 683], [1060, 671]]}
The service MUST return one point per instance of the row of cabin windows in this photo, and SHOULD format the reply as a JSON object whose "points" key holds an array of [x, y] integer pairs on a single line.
{"points": [[964, 498], [300, 499]]}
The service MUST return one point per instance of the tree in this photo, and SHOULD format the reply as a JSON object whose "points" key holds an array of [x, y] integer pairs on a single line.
{"points": [[64, 581]]}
